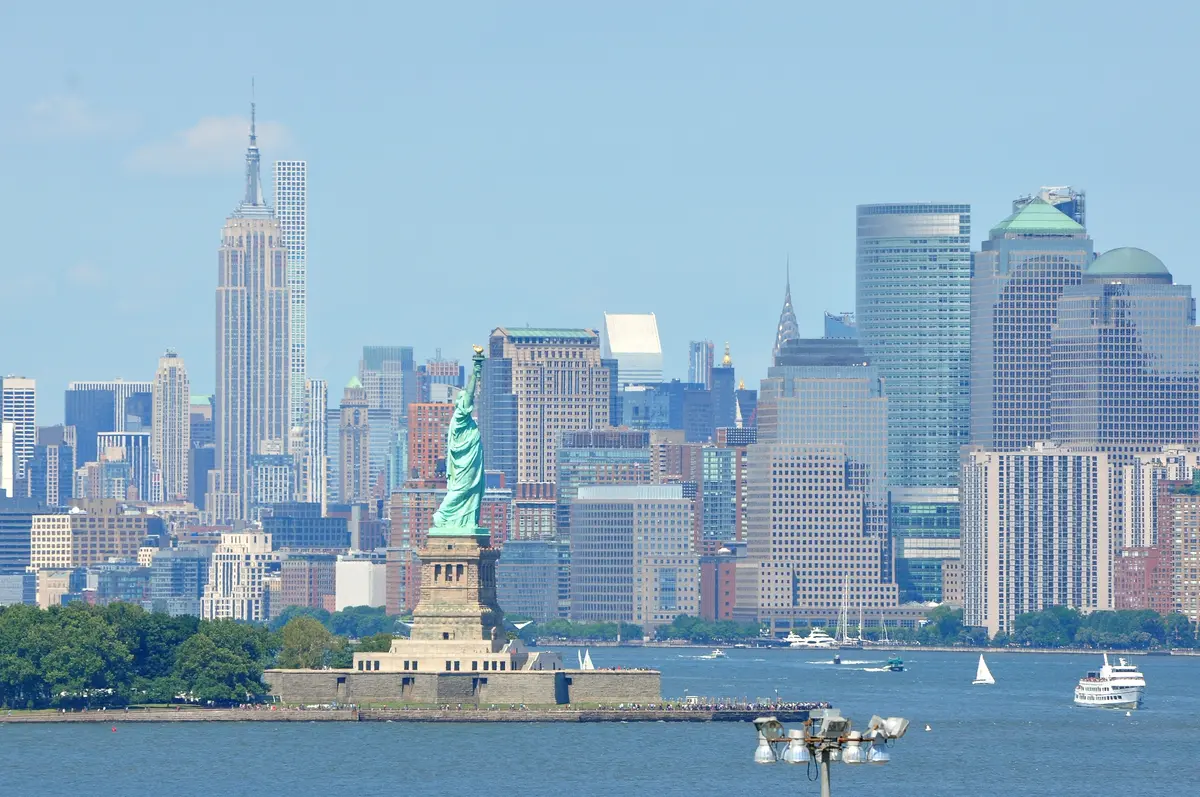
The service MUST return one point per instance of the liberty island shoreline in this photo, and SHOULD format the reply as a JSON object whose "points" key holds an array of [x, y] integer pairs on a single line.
{"points": [[424, 715]]}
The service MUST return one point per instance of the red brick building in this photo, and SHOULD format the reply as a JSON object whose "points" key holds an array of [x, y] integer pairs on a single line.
{"points": [[427, 428]]}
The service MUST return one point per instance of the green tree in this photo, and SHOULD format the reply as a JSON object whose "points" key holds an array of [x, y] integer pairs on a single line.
{"points": [[1179, 631], [376, 643], [305, 644], [209, 672], [253, 641]]}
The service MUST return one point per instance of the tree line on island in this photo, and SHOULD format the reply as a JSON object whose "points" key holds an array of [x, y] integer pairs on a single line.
{"points": [[76, 656]]}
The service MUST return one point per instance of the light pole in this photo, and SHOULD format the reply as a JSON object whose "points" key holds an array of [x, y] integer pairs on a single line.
{"points": [[827, 737]]}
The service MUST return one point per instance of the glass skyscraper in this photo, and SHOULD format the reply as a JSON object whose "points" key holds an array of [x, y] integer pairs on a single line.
{"points": [[913, 317], [1022, 269], [1125, 358], [914, 323]]}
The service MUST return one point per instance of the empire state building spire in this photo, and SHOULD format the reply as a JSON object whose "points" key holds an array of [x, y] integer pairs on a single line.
{"points": [[788, 329], [252, 203]]}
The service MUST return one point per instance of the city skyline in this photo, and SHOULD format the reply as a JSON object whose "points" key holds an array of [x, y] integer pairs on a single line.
{"points": [[509, 174]]}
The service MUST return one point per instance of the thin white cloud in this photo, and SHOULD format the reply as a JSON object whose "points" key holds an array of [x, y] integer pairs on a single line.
{"points": [[214, 145], [85, 274], [73, 115]]}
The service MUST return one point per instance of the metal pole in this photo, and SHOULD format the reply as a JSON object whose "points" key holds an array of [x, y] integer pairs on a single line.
{"points": [[823, 765]]}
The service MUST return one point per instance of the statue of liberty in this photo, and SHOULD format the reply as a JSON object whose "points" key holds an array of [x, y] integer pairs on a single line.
{"points": [[459, 512]]}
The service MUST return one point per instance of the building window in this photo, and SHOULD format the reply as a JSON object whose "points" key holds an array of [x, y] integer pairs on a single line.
{"points": [[447, 666], [376, 666], [456, 666], [501, 665], [474, 666], [360, 666]]}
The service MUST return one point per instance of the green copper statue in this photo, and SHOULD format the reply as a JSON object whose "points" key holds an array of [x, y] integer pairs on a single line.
{"points": [[459, 512]]}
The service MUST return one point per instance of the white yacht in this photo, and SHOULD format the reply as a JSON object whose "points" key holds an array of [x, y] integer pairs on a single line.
{"points": [[816, 639], [1119, 685], [716, 654]]}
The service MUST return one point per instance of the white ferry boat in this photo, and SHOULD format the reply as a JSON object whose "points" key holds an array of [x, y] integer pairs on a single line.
{"points": [[816, 639], [1118, 685]]}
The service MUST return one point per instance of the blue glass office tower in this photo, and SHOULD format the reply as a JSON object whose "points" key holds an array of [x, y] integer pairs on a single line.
{"points": [[90, 412], [913, 314]]}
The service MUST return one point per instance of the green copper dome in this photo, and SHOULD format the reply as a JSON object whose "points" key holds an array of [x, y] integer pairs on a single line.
{"points": [[354, 383], [1128, 261]]}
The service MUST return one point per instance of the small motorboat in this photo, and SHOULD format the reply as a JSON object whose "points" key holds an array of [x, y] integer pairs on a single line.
{"points": [[837, 658], [895, 664]]}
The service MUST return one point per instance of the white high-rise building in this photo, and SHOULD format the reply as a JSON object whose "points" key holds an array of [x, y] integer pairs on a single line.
{"points": [[19, 405], [251, 412], [236, 578], [291, 211], [122, 391], [314, 463], [632, 340], [1037, 531], [171, 433], [8, 473]]}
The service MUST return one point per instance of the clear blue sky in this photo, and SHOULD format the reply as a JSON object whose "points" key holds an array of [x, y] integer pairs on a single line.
{"points": [[557, 159]]}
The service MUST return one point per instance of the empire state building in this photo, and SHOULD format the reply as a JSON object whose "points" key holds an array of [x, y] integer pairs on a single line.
{"points": [[250, 414]]}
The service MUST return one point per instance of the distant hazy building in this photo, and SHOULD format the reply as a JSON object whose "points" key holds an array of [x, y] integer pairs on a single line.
{"points": [[360, 581], [16, 524], [632, 340], [177, 579], [291, 210], [841, 325], [816, 489], [51, 473], [236, 587], [389, 377], [253, 396], [90, 412], [172, 427], [1125, 358], [599, 456], [127, 397], [914, 323], [307, 579], [90, 533], [527, 576], [537, 385], [272, 481], [132, 451], [1037, 532], [1020, 273], [427, 428], [673, 405], [201, 422], [354, 444], [700, 362], [1141, 480], [1064, 198], [314, 457], [632, 555], [18, 405], [18, 588], [787, 328], [300, 526], [723, 385]]}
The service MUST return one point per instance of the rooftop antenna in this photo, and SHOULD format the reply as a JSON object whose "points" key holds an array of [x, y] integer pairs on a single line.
{"points": [[252, 112]]}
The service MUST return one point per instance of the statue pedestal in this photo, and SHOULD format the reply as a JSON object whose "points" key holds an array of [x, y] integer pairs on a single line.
{"points": [[480, 535]]}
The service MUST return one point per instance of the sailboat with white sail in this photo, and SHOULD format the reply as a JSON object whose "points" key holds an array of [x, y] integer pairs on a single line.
{"points": [[982, 674], [844, 639]]}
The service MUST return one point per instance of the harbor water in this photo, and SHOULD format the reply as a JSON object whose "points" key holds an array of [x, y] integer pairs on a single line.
{"points": [[1021, 736]]}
